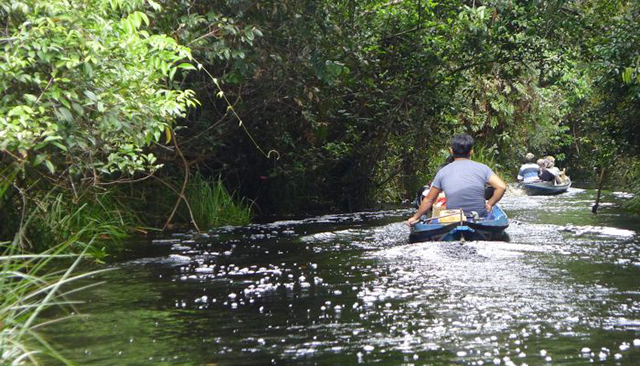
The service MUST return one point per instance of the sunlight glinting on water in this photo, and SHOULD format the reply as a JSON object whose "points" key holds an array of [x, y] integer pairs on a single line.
{"points": [[349, 289]]}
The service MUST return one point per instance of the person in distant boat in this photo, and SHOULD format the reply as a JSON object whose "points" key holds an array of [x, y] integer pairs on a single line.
{"points": [[549, 173], [551, 162], [529, 171], [463, 182], [544, 175]]}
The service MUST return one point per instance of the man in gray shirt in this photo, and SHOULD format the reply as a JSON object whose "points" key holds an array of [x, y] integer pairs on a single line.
{"points": [[463, 182]]}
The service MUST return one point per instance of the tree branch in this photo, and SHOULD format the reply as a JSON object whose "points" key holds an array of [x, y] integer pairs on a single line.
{"points": [[181, 195]]}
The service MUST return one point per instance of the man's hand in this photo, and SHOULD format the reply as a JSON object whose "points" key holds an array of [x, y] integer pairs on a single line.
{"points": [[488, 206], [500, 187], [411, 221]]}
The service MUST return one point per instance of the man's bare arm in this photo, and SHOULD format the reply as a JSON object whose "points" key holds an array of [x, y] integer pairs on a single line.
{"points": [[500, 187]]}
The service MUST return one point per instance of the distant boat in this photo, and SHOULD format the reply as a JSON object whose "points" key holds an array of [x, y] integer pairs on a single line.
{"points": [[491, 227], [545, 188]]}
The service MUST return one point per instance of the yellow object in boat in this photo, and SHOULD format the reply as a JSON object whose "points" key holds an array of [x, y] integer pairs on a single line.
{"points": [[449, 216]]}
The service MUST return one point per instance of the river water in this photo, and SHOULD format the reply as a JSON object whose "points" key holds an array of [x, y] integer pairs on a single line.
{"points": [[350, 289]]}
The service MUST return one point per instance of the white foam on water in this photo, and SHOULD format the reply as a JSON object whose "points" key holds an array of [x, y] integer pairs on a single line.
{"points": [[626, 195], [602, 231]]}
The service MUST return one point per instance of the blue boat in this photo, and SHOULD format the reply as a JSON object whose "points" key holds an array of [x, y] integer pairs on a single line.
{"points": [[545, 188], [491, 227]]}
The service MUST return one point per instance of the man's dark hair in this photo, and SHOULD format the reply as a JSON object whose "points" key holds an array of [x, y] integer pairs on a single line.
{"points": [[461, 144]]}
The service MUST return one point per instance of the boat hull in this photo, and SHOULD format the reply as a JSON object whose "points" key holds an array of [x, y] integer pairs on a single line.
{"points": [[545, 188], [491, 228]]}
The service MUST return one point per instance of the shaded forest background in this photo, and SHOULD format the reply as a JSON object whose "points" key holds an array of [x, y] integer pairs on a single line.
{"points": [[145, 114]]}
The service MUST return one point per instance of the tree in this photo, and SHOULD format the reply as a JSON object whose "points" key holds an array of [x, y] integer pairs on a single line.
{"points": [[84, 90]]}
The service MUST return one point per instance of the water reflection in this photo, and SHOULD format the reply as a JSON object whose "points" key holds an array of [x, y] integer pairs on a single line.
{"points": [[348, 289]]}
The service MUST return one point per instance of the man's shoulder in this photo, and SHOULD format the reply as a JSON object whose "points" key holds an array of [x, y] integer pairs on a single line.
{"points": [[529, 166], [478, 165], [465, 165]]}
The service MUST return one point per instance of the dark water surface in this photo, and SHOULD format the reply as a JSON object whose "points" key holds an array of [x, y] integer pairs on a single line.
{"points": [[349, 289]]}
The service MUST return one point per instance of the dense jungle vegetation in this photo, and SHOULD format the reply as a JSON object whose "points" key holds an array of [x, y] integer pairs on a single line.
{"points": [[145, 114], [118, 116]]}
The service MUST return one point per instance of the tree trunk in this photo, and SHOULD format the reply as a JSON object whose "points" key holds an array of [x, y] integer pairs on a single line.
{"points": [[594, 209]]}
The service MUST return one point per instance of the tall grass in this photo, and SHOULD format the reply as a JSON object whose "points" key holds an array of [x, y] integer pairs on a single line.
{"points": [[212, 205], [29, 284], [57, 216], [102, 216]]}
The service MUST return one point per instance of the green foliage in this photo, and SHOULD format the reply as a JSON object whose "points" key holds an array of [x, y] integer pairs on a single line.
{"points": [[27, 288], [358, 97], [58, 215], [213, 206], [102, 216], [29, 284], [83, 90], [632, 176]]}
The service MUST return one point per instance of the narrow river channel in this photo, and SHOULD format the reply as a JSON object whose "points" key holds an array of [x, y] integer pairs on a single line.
{"points": [[349, 289]]}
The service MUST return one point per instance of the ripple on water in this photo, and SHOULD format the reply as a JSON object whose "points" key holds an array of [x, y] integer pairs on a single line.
{"points": [[338, 288]]}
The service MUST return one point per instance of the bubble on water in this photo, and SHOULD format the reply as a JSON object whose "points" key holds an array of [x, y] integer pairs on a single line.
{"points": [[368, 348], [232, 296], [522, 355], [585, 350], [204, 270], [496, 361], [461, 353], [636, 342], [617, 356], [202, 299], [624, 346], [543, 353]]}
